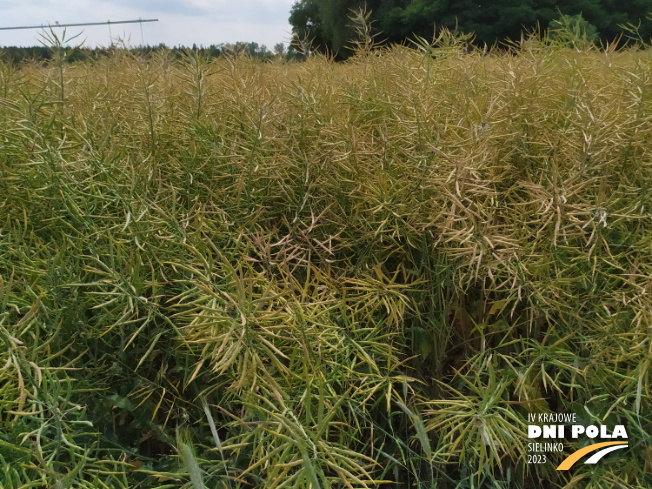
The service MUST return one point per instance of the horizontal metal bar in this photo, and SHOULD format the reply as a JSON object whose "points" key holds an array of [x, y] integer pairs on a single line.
{"points": [[108, 22]]}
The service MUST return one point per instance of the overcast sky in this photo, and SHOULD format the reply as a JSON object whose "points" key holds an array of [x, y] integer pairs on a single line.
{"points": [[202, 22]]}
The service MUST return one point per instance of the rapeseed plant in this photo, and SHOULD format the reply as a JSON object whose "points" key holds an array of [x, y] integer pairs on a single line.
{"points": [[228, 273]]}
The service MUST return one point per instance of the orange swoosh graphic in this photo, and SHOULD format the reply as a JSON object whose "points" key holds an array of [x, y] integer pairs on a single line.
{"points": [[571, 459]]}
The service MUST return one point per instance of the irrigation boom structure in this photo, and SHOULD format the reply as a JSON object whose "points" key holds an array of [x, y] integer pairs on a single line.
{"points": [[80, 24], [108, 22]]}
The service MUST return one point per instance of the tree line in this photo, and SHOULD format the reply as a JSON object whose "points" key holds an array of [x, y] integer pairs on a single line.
{"points": [[327, 25], [13, 54]]}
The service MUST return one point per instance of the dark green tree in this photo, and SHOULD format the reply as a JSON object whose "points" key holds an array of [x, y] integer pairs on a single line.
{"points": [[492, 21], [572, 31], [327, 23], [307, 23]]}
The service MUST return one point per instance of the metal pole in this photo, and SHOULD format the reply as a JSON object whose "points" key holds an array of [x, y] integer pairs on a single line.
{"points": [[42, 26]]}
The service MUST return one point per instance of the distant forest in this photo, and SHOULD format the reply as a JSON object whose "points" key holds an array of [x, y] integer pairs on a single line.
{"points": [[14, 54]]}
